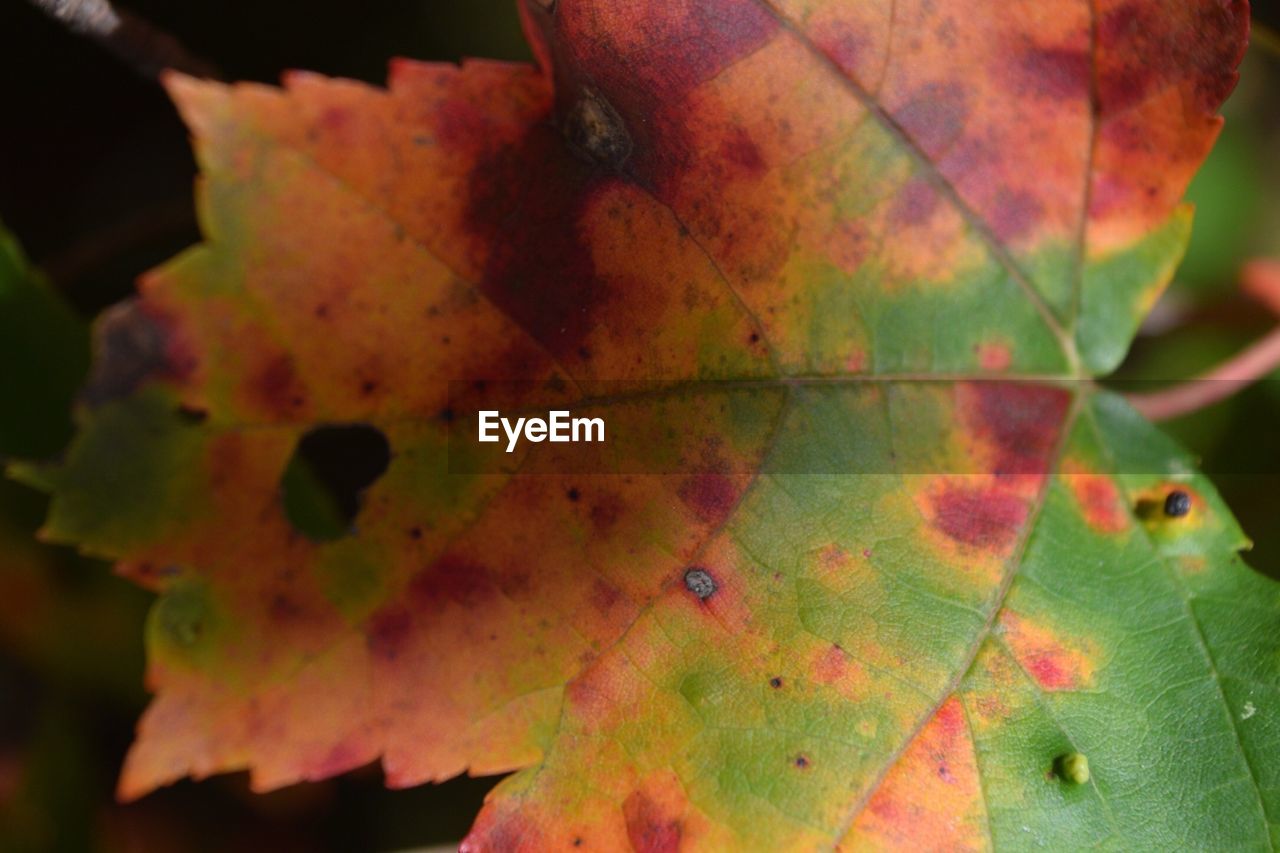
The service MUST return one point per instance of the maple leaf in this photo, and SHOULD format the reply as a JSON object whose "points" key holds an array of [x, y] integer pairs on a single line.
{"points": [[912, 582]]}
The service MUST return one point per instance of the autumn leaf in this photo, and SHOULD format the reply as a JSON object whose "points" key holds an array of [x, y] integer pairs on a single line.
{"points": [[903, 577]]}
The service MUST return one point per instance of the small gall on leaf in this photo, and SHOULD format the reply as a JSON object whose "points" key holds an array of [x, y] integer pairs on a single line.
{"points": [[1177, 504], [700, 583], [1072, 767], [594, 129]]}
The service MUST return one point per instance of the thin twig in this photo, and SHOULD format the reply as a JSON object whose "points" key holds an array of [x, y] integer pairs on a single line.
{"points": [[139, 43], [1218, 384]]}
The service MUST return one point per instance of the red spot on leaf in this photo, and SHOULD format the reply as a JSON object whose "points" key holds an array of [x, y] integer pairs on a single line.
{"points": [[284, 610], [502, 832], [1145, 48], [526, 201], [275, 386], [605, 512], [650, 828], [831, 666], [460, 121], [1021, 421], [915, 204], [387, 632], [344, 756], [335, 119], [710, 496], [843, 45], [1052, 662], [742, 152], [1099, 499], [935, 115], [1057, 73], [604, 596], [986, 517], [994, 356], [451, 579], [1048, 673], [1016, 214]]}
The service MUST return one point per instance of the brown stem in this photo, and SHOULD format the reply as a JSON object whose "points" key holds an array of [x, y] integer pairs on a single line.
{"points": [[142, 45], [1237, 373]]}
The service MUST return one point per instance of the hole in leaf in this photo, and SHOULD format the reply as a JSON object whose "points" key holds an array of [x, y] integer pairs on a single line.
{"points": [[329, 471]]}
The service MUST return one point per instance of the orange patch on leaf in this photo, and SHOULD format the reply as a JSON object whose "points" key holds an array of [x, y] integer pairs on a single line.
{"points": [[1046, 657], [994, 356], [1098, 497], [834, 667], [932, 798]]}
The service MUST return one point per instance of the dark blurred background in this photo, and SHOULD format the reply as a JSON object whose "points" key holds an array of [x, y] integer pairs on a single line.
{"points": [[95, 182]]}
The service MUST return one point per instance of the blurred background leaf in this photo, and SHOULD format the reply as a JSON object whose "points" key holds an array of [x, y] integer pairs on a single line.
{"points": [[44, 355]]}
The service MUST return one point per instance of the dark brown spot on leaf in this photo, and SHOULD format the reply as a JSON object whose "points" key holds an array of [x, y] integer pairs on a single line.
{"points": [[594, 130]]}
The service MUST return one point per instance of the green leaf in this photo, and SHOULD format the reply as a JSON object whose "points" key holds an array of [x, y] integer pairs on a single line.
{"points": [[44, 354]]}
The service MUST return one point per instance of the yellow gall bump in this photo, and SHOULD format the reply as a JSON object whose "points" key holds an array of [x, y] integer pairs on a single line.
{"points": [[1073, 767]]}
